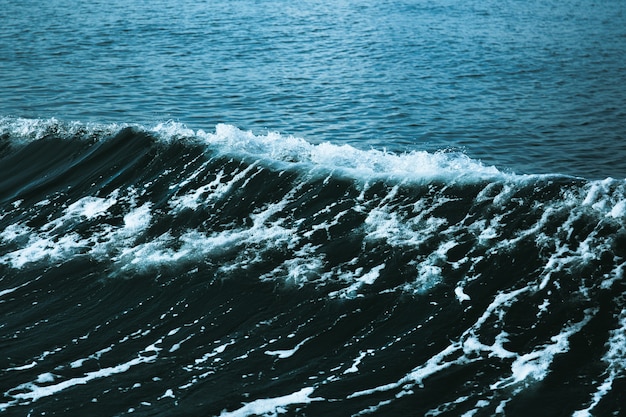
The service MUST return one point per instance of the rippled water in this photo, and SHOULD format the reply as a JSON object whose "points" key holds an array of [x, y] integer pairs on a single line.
{"points": [[530, 86]]}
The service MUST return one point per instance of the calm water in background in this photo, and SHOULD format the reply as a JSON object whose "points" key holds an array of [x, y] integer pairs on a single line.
{"points": [[529, 86]]}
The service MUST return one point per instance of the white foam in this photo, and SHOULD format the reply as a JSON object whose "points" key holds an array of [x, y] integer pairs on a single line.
{"points": [[216, 351], [194, 244], [606, 196], [31, 391], [272, 146], [525, 368], [52, 242], [615, 359], [167, 394], [358, 281], [273, 406], [282, 354], [597, 192], [79, 362], [301, 269], [355, 365], [41, 247], [91, 207], [10, 290], [616, 275], [618, 210], [177, 345], [13, 231], [460, 295], [137, 219], [45, 377], [213, 190], [449, 356], [26, 130], [170, 130], [535, 364], [193, 199], [418, 165], [23, 367]]}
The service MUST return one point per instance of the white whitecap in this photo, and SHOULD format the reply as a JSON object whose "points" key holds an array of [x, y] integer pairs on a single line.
{"points": [[267, 406]]}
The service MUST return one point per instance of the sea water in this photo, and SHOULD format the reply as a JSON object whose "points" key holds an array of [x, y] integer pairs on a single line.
{"points": [[533, 87], [350, 208]]}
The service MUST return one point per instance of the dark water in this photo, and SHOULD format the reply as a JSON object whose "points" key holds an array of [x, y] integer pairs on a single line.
{"points": [[176, 273], [168, 254]]}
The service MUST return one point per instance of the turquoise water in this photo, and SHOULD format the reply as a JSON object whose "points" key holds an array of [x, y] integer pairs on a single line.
{"points": [[532, 87]]}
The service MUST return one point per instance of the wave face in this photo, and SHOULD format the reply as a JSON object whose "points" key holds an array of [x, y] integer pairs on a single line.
{"points": [[164, 271]]}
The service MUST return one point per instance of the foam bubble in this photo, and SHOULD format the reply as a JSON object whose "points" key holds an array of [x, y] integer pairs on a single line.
{"points": [[137, 219], [618, 210], [460, 294], [287, 353], [358, 281], [355, 365], [416, 165], [23, 130], [32, 391], [276, 148], [91, 207], [615, 358], [271, 405]]}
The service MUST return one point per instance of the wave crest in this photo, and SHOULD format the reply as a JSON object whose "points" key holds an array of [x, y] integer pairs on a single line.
{"points": [[276, 148]]}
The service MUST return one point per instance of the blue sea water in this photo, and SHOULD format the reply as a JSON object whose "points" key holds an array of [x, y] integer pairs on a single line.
{"points": [[263, 208], [532, 87]]}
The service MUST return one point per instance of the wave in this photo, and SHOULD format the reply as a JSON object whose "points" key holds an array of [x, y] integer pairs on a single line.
{"points": [[323, 266], [275, 148]]}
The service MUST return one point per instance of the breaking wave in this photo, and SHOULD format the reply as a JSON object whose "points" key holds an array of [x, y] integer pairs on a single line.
{"points": [[230, 273]]}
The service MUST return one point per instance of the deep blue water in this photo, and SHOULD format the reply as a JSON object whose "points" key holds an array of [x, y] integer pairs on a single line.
{"points": [[533, 86], [263, 208]]}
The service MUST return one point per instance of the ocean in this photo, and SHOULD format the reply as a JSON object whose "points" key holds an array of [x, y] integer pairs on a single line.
{"points": [[263, 208]]}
